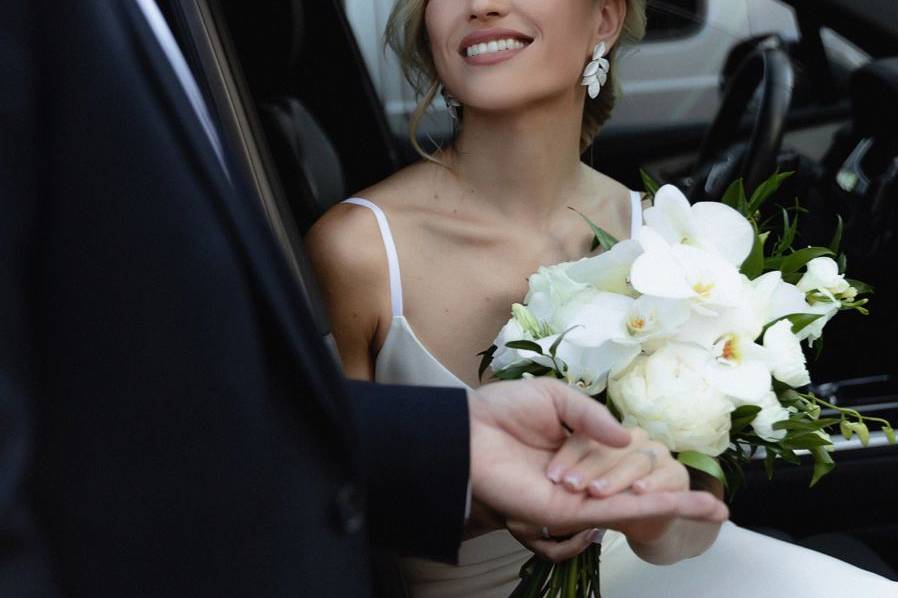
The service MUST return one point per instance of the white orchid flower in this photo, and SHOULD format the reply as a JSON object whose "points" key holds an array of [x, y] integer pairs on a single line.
{"points": [[823, 276], [784, 355], [739, 369], [610, 270], [772, 411], [814, 330], [685, 272], [651, 320], [711, 226]]}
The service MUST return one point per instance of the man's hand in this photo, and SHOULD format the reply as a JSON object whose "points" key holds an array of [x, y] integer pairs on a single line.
{"points": [[516, 429]]}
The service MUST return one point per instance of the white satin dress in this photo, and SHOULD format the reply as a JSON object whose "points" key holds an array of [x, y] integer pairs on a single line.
{"points": [[740, 564]]}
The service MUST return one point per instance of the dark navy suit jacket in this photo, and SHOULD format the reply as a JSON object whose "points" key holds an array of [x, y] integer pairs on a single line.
{"points": [[170, 421]]}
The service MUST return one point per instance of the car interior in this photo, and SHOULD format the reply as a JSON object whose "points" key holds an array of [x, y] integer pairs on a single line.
{"points": [[295, 102]]}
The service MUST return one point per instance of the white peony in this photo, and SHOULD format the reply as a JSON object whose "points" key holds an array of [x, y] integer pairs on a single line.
{"points": [[668, 395], [823, 276], [772, 411], [711, 226], [784, 355]]}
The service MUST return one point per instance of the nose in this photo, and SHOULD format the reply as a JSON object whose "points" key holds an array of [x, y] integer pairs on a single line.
{"points": [[485, 10]]}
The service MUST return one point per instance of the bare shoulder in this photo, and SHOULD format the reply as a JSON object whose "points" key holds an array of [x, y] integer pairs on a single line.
{"points": [[344, 244], [404, 189]]}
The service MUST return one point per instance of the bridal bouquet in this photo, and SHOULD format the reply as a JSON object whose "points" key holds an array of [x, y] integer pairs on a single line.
{"points": [[693, 331]]}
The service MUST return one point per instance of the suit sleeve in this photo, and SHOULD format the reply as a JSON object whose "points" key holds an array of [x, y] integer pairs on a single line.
{"points": [[23, 563], [415, 446]]}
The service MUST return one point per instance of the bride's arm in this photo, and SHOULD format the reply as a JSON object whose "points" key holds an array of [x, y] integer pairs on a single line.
{"points": [[347, 255]]}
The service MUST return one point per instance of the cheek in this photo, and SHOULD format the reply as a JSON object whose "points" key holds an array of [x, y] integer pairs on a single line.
{"points": [[438, 17]]}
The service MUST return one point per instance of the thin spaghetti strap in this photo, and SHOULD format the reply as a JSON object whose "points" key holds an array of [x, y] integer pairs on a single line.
{"points": [[390, 247], [635, 213]]}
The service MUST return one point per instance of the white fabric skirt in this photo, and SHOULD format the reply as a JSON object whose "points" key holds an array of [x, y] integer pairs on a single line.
{"points": [[740, 564]]}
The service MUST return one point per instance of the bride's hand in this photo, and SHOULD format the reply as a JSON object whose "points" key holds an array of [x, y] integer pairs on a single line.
{"points": [[643, 467], [516, 430], [540, 541]]}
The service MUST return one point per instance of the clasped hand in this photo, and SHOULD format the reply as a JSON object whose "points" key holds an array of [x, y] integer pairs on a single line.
{"points": [[529, 472]]}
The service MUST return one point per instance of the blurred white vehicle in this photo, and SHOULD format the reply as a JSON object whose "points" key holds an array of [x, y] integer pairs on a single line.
{"points": [[672, 77]]}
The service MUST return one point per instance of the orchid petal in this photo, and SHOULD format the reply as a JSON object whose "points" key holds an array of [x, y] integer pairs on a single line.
{"points": [[724, 230]]}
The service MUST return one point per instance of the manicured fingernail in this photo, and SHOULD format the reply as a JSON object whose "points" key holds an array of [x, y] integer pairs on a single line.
{"points": [[596, 536], [554, 473], [599, 485], [573, 481]]}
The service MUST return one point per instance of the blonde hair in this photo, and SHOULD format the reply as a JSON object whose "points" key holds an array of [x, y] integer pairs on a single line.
{"points": [[406, 34]]}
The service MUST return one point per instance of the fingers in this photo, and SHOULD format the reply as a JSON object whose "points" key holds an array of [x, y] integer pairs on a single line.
{"points": [[567, 549], [612, 511], [631, 467], [569, 455], [666, 478], [586, 415]]}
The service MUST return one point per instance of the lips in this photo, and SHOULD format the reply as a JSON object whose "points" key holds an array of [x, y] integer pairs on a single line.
{"points": [[496, 35]]}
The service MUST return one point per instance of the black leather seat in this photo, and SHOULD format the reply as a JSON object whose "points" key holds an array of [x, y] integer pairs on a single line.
{"points": [[269, 39]]}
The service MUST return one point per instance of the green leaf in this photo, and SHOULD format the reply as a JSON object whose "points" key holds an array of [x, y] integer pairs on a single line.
{"points": [[650, 185], [766, 190], [704, 463], [769, 460], [789, 231], [735, 196], [799, 322], [487, 359], [525, 346], [797, 260], [862, 287], [805, 440], [602, 237], [516, 372], [837, 236], [554, 348], [823, 464], [842, 261], [742, 417], [753, 266]]}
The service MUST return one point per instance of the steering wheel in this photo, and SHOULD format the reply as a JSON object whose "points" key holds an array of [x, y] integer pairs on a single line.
{"points": [[766, 73]]}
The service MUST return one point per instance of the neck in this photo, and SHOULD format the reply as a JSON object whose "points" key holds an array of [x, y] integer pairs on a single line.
{"points": [[526, 163]]}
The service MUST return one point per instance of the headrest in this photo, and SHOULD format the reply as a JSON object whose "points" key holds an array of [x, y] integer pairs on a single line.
{"points": [[268, 36], [874, 96]]}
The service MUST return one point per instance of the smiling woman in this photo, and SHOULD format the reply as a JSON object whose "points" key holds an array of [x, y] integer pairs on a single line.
{"points": [[407, 34]]}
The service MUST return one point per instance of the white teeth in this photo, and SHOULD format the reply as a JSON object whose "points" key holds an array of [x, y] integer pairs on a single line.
{"points": [[494, 46]]}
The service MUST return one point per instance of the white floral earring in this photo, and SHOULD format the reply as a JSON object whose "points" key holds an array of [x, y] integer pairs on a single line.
{"points": [[596, 72], [451, 103]]}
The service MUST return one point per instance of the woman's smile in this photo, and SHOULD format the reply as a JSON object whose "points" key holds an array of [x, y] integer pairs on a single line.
{"points": [[490, 46]]}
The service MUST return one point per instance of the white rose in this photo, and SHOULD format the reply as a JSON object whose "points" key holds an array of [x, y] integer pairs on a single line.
{"points": [[823, 275], [772, 411], [784, 355], [550, 289], [668, 395]]}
